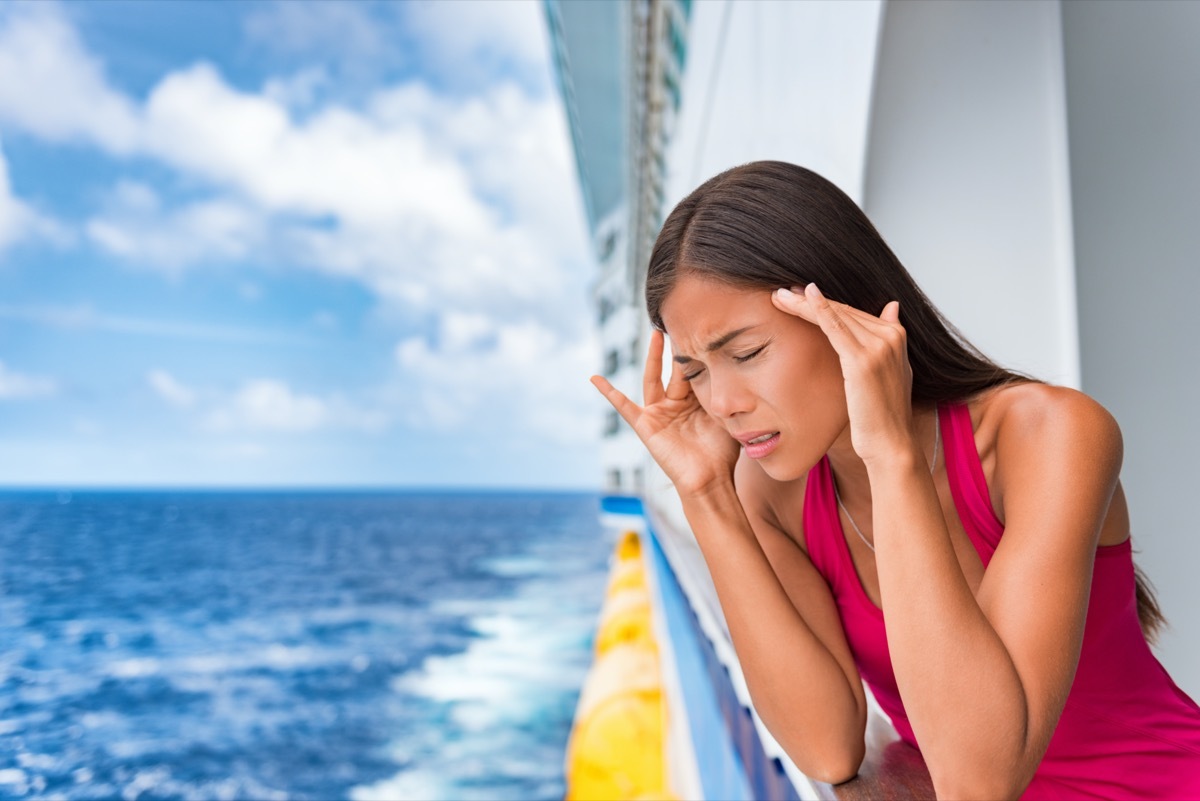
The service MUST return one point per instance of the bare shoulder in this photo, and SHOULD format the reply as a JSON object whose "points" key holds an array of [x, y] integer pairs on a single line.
{"points": [[1047, 435], [1032, 417]]}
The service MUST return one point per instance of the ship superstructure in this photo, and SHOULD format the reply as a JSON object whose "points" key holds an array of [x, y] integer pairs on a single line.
{"points": [[1032, 164]]}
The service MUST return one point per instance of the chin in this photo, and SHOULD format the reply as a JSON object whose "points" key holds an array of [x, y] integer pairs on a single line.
{"points": [[784, 470], [794, 459]]}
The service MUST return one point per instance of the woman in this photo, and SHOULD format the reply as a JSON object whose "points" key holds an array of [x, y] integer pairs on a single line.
{"points": [[877, 500]]}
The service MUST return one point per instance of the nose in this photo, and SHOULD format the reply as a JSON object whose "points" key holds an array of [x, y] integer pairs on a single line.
{"points": [[727, 396]]}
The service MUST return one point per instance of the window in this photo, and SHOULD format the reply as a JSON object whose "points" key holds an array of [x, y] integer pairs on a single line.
{"points": [[614, 479], [612, 423], [605, 309], [612, 362], [608, 245]]}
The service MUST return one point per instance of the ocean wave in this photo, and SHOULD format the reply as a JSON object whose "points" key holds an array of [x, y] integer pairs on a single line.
{"points": [[296, 647], [496, 699]]}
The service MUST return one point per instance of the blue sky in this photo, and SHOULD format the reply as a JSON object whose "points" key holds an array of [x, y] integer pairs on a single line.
{"points": [[289, 244]]}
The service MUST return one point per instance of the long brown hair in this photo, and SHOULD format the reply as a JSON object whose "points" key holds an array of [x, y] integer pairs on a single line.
{"points": [[770, 224]]}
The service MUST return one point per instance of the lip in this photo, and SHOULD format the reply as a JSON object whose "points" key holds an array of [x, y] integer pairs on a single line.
{"points": [[761, 449], [746, 436]]}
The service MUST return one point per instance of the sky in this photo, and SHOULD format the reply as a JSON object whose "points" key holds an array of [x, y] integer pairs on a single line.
{"points": [[290, 244]]}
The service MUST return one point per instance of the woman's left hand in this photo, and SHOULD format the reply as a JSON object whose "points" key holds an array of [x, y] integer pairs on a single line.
{"points": [[874, 355]]}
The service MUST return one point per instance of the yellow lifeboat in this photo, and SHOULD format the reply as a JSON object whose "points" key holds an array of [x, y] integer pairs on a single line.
{"points": [[616, 749]]}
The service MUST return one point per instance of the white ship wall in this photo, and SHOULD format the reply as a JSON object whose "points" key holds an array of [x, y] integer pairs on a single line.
{"points": [[967, 175], [948, 122], [775, 79], [1133, 89]]}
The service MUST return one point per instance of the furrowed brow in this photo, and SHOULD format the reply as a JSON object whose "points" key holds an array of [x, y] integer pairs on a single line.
{"points": [[717, 343]]}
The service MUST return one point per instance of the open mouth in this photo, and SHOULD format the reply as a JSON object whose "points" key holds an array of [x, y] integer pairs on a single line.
{"points": [[759, 447]]}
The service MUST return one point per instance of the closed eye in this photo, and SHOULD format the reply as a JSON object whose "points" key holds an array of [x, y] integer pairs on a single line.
{"points": [[749, 356], [739, 359]]}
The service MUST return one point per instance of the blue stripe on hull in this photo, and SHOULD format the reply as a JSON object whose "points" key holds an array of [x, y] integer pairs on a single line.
{"points": [[621, 505], [718, 720], [722, 774]]}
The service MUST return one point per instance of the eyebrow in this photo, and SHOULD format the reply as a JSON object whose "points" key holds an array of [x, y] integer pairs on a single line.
{"points": [[718, 343]]}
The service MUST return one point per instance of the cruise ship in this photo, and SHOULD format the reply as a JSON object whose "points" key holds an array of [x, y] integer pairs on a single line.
{"points": [[1031, 163]]}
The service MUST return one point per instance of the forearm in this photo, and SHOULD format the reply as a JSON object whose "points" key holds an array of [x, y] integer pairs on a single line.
{"points": [[962, 693], [802, 693]]}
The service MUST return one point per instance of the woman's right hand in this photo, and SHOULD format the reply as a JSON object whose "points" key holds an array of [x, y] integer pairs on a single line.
{"points": [[692, 448]]}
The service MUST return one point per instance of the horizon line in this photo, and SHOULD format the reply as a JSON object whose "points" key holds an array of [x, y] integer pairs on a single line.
{"points": [[410, 488]]}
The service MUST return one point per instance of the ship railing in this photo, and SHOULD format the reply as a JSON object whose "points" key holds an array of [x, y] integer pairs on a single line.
{"points": [[891, 769]]}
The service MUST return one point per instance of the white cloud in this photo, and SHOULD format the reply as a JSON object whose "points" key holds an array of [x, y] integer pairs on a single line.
{"points": [[266, 404], [519, 377], [53, 87], [17, 220], [470, 38], [356, 44], [437, 201], [463, 45], [299, 91], [17, 386], [14, 215], [135, 226], [493, 223], [169, 389], [459, 205], [461, 332], [325, 29], [269, 404]]}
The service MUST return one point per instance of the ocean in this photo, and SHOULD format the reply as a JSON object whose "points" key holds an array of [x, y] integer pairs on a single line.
{"points": [[293, 645]]}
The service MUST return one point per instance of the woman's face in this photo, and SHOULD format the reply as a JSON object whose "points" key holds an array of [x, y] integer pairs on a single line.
{"points": [[759, 371]]}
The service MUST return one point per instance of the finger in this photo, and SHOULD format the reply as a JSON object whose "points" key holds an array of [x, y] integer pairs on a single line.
{"points": [[677, 387], [842, 328], [652, 388], [628, 410], [857, 313], [794, 301], [876, 325]]}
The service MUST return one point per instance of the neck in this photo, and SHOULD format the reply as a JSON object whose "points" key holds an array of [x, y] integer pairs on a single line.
{"points": [[850, 471]]}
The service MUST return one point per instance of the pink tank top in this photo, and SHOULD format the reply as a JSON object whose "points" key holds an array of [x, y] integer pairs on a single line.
{"points": [[1126, 732]]}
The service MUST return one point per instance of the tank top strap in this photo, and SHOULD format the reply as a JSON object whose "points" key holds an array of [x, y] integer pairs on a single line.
{"points": [[968, 484], [821, 528], [823, 536]]}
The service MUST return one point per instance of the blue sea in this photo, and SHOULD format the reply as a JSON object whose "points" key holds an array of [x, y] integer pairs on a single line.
{"points": [[280, 645]]}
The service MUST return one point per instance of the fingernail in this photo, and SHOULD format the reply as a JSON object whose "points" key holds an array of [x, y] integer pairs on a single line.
{"points": [[784, 292], [815, 290]]}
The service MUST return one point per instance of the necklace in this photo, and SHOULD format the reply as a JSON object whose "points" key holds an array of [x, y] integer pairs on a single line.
{"points": [[937, 439]]}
